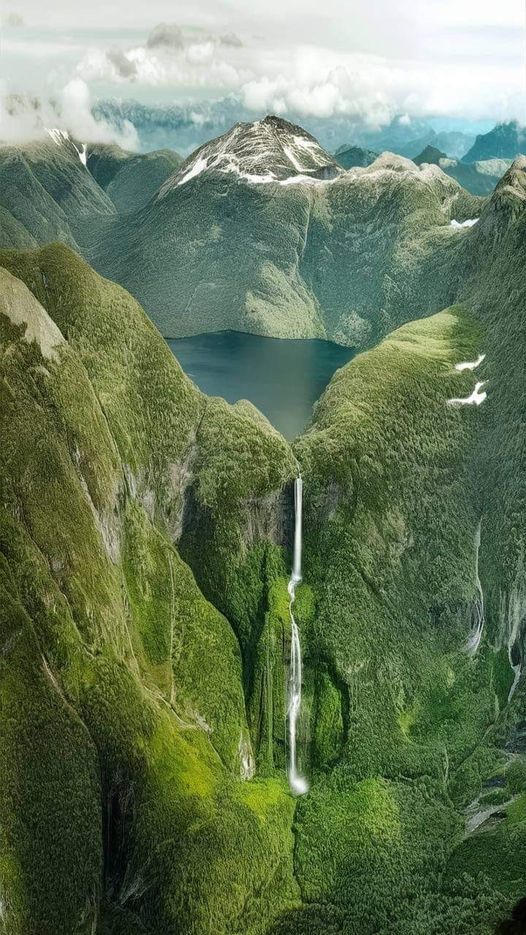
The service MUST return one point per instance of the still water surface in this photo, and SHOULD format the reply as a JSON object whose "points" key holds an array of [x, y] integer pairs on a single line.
{"points": [[282, 378]]}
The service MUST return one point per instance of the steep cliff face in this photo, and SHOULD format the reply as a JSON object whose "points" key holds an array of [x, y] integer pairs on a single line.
{"points": [[122, 691]]}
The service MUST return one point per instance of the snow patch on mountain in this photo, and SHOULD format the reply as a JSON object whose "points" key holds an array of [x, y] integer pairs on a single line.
{"points": [[266, 151], [62, 138], [474, 399], [458, 225], [470, 364]]}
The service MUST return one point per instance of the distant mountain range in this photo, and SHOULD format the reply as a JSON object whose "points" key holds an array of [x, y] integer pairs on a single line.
{"points": [[186, 127], [479, 178], [505, 141]]}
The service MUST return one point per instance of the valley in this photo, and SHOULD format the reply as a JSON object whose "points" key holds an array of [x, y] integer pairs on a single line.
{"points": [[263, 594]]}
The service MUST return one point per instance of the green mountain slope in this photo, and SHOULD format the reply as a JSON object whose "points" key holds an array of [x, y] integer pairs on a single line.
{"points": [[121, 685], [130, 179], [45, 191], [144, 538], [346, 258]]}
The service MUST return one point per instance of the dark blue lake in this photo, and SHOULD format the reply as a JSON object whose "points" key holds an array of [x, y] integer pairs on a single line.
{"points": [[282, 378]]}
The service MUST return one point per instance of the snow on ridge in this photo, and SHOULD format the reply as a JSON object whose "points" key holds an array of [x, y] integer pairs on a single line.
{"points": [[258, 153], [458, 225], [475, 399], [60, 137], [470, 364], [196, 168]]}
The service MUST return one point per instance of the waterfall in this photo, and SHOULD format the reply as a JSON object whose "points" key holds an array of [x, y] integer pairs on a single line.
{"points": [[297, 783], [475, 637]]}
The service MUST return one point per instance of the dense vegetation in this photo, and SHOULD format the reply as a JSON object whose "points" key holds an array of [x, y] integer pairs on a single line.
{"points": [[145, 536]]}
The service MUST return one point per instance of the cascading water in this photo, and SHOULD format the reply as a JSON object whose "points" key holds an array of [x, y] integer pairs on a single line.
{"points": [[298, 783], [475, 636]]}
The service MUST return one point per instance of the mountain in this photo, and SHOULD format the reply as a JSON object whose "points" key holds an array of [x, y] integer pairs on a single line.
{"points": [[431, 155], [125, 730], [309, 233], [350, 156], [130, 179], [259, 230], [267, 151], [186, 127], [145, 625], [505, 141], [479, 178], [451, 141], [46, 190], [252, 234]]}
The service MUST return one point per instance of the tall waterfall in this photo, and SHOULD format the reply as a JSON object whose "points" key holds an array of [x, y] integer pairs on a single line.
{"points": [[475, 636], [297, 783]]}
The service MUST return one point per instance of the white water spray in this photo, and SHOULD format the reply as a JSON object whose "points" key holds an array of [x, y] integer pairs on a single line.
{"points": [[298, 783], [475, 637]]}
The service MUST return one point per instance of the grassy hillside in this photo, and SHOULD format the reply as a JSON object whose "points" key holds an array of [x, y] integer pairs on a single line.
{"points": [[419, 725]]}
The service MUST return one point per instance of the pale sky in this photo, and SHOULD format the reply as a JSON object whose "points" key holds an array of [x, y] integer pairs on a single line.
{"points": [[366, 58]]}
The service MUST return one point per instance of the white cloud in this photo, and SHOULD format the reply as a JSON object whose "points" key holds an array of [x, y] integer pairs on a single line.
{"points": [[24, 118], [373, 61]]}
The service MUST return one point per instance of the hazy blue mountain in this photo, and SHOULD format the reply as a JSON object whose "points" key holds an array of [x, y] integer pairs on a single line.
{"points": [[479, 178], [350, 156], [184, 128], [504, 141]]}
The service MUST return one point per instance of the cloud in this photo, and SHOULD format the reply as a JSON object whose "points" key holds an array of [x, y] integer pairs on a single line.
{"points": [[165, 36], [24, 118], [124, 67], [169, 57], [231, 39], [12, 20], [453, 58]]}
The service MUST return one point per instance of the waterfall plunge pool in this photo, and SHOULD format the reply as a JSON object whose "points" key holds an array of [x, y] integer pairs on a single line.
{"points": [[282, 377]]}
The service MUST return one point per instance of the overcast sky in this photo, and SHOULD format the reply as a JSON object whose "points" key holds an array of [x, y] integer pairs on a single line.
{"points": [[369, 58]]}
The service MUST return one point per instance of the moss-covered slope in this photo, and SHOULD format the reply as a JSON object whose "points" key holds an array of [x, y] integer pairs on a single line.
{"points": [[144, 532], [126, 744]]}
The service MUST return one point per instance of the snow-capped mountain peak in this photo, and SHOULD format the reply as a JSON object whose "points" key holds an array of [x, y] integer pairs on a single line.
{"points": [[62, 137], [266, 151]]}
